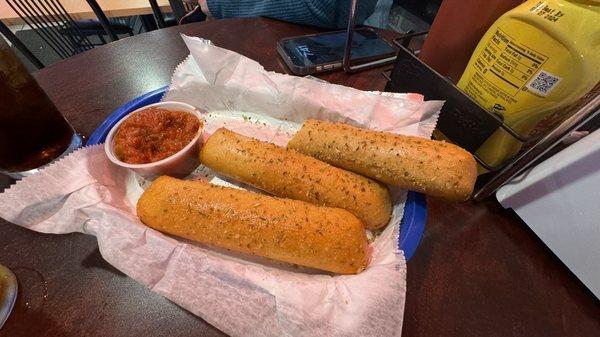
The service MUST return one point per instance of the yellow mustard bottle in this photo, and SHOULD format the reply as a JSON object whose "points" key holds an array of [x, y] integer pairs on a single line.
{"points": [[535, 59]]}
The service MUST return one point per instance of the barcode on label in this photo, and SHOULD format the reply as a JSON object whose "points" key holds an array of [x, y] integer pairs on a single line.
{"points": [[543, 83], [538, 6]]}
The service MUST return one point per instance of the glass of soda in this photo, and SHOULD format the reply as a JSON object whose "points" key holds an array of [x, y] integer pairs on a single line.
{"points": [[33, 132]]}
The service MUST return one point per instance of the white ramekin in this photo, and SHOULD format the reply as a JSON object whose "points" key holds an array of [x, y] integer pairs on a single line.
{"points": [[178, 164]]}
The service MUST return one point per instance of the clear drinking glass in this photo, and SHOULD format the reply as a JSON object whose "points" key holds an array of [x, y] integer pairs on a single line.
{"points": [[32, 131]]}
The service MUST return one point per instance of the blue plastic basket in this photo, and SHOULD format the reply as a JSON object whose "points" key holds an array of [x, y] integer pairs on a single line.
{"points": [[415, 210]]}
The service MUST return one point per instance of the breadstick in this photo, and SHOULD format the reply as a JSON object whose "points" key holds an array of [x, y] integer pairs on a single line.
{"points": [[293, 231], [435, 168], [289, 174]]}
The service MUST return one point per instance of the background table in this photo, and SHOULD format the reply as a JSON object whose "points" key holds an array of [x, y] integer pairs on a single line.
{"points": [[80, 10], [478, 272]]}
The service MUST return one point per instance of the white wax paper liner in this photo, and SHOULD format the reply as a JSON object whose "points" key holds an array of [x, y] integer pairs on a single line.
{"points": [[85, 193]]}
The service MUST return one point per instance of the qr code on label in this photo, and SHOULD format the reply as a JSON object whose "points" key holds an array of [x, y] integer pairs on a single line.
{"points": [[543, 83]]}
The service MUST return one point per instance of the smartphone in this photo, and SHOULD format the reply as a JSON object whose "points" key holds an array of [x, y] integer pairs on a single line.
{"points": [[317, 53]]}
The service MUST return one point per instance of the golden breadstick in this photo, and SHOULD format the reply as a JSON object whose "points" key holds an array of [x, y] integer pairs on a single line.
{"points": [[435, 168], [293, 231], [289, 174]]}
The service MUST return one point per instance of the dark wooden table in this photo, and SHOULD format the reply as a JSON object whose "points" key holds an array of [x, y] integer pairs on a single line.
{"points": [[478, 271]]}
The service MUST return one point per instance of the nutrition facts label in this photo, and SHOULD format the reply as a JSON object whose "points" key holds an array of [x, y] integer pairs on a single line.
{"points": [[504, 67]]}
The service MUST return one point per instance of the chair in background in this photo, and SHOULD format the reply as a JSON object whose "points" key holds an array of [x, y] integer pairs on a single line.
{"points": [[53, 24], [8, 34], [121, 26]]}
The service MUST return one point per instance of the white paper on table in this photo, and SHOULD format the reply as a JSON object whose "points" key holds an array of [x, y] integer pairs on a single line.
{"points": [[85, 193]]}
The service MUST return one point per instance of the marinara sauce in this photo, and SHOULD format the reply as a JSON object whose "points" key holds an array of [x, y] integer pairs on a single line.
{"points": [[154, 134]]}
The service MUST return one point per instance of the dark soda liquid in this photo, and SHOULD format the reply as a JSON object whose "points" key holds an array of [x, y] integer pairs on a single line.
{"points": [[32, 131]]}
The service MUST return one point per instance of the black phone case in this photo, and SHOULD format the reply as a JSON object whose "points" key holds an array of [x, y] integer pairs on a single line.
{"points": [[330, 66]]}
